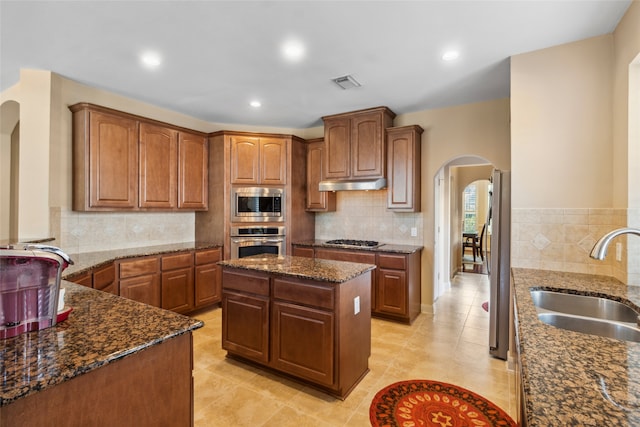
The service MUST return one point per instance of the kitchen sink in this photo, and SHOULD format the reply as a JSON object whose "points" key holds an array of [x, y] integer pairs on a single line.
{"points": [[587, 314]]}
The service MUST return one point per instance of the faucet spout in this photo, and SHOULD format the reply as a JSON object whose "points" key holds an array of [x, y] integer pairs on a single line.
{"points": [[599, 250]]}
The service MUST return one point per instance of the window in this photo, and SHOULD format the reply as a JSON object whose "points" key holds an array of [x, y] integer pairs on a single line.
{"points": [[469, 206]]}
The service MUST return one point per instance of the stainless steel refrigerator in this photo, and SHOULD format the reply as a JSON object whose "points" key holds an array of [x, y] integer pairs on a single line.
{"points": [[498, 259]]}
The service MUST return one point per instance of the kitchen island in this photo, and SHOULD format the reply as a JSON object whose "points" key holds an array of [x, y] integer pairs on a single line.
{"points": [[308, 319], [572, 378], [112, 362]]}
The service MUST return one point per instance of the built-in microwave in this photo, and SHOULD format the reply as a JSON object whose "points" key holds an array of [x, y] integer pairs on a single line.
{"points": [[257, 204]]}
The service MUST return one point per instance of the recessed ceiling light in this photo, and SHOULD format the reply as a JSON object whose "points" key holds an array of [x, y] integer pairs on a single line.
{"points": [[293, 50], [255, 104], [151, 59], [450, 55]]}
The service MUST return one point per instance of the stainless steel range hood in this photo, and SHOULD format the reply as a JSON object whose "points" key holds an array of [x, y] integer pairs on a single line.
{"points": [[353, 184]]}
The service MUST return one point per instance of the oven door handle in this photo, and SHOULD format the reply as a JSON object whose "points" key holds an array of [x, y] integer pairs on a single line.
{"points": [[257, 240]]}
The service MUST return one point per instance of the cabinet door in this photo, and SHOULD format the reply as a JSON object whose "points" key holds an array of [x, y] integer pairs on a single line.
{"points": [[177, 290], [207, 286], [104, 279], [145, 289], [273, 161], [193, 172], [303, 342], [392, 292], [245, 326], [403, 168], [84, 279], [158, 166], [337, 136], [245, 159], [317, 201], [113, 158], [367, 146]]}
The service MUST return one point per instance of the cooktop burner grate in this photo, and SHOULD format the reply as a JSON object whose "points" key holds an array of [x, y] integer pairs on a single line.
{"points": [[351, 242]]}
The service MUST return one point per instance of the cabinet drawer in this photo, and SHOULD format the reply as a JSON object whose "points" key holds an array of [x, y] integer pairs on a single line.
{"points": [[139, 266], [208, 256], [171, 262], [396, 262], [305, 294], [351, 256], [257, 284]]}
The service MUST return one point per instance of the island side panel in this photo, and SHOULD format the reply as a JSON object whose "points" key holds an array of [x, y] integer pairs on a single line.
{"points": [[149, 388], [354, 331]]}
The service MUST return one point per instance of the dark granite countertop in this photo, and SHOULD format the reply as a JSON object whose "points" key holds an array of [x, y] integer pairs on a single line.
{"points": [[400, 249], [102, 328], [570, 378], [85, 261], [301, 267]]}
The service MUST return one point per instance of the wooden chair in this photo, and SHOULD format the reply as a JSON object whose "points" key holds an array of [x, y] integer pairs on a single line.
{"points": [[475, 244]]}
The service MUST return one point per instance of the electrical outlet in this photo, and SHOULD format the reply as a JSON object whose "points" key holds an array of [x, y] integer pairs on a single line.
{"points": [[618, 251], [356, 305], [414, 232]]}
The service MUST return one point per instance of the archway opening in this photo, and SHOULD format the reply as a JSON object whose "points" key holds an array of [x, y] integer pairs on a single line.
{"points": [[9, 163]]}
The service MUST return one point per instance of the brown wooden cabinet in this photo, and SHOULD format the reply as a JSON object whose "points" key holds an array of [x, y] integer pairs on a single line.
{"points": [[207, 277], [317, 201], [403, 168], [158, 166], [307, 329], [177, 282], [355, 144], [140, 280], [258, 160], [102, 278], [245, 315], [193, 176], [105, 165], [126, 162], [395, 284]]}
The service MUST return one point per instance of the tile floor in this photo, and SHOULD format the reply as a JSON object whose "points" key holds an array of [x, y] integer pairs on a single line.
{"points": [[449, 345]]}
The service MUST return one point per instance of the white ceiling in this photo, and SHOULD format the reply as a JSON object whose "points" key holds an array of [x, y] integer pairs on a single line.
{"points": [[219, 55]]}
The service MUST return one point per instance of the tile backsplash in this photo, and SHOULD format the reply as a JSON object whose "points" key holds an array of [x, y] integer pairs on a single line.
{"points": [[363, 215], [77, 232], [561, 239]]}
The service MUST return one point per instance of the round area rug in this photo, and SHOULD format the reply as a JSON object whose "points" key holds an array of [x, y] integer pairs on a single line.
{"points": [[430, 403]]}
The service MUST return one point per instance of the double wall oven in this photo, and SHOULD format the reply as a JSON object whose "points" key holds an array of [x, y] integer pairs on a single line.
{"points": [[255, 240], [252, 208]]}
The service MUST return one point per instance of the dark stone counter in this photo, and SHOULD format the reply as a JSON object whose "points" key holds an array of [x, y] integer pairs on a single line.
{"points": [[101, 329], [400, 249], [570, 378], [301, 267], [87, 260]]}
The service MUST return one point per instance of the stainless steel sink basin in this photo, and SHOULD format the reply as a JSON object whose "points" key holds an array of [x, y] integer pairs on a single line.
{"points": [[586, 314], [582, 305], [585, 325]]}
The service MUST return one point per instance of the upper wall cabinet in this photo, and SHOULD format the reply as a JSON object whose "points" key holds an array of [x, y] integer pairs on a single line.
{"points": [[355, 144], [258, 160], [126, 162], [403, 168], [317, 201]]}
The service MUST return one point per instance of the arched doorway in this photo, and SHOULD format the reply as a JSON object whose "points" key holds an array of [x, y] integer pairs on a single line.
{"points": [[449, 183], [9, 161]]}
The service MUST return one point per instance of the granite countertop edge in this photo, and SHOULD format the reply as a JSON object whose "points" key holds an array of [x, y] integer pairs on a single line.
{"points": [[301, 267], [38, 360], [86, 261], [571, 378], [385, 247]]}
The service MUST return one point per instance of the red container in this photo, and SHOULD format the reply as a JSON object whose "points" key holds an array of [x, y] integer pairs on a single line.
{"points": [[29, 286]]}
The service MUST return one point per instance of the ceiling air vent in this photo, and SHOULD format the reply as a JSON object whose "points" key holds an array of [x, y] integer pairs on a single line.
{"points": [[346, 82]]}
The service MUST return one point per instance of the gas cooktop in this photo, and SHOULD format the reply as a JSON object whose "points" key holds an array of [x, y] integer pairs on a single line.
{"points": [[354, 243]]}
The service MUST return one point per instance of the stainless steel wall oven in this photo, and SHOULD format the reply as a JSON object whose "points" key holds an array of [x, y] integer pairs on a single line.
{"points": [[248, 241]]}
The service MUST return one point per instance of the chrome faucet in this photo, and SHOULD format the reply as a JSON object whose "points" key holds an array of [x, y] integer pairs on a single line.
{"points": [[599, 250]]}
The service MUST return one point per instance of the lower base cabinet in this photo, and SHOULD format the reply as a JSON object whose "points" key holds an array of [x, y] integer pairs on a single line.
{"points": [[180, 282], [303, 328], [152, 387]]}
